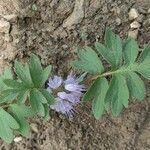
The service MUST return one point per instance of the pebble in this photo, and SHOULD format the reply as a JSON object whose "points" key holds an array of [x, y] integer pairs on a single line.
{"points": [[10, 18], [133, 34], [1, 42], [8, 38], [16, 41], [118, 21], [4, 26], [133, 14], [76, 16], [17, 139], [135, 25], [105, 9], [118, 10], [148, 11], [34, 127]]}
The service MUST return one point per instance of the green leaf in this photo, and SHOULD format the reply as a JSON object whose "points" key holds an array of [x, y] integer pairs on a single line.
{"points": [[18, 92], [36, 102], [144, 63], [21, 113], [7, 124], [112, 51], [23, 73], [98, 105], [45, 74], [36, 70], [117, 94], [145, 55], [6, 75], [106, 53], [123, 72], [130, 51], [22, 96], [144, 69], [14, 84], [41, 96], [46, 108], [8, 95], [88, 61], [136, 86], [114, 44], [49, 97], [92, 91]]}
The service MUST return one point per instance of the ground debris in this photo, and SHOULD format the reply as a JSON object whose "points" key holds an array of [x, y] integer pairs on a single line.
{"points": [[76, 16], [133, 14], [4, 26]]}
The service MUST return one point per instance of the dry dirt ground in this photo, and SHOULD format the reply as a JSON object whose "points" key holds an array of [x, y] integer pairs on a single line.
{"points": [[53, 29]]}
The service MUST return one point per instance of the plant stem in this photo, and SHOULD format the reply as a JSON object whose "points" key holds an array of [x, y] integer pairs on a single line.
{"points": [[123, 69], [104, 74]]}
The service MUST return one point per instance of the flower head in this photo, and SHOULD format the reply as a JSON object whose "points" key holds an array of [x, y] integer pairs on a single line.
{"points": [[68, 93]]}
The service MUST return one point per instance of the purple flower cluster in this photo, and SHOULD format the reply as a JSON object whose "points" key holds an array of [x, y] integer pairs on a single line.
{"points": [[68, 93]]}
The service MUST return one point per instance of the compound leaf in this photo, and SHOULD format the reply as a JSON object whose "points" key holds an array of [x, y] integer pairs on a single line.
{"points": [[124, 68]]}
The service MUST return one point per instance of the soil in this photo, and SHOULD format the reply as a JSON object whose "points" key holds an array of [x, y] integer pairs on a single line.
{"points": [[53, 29]]}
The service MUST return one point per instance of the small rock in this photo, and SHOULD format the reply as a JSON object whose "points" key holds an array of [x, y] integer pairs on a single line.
{"points": [[11, 18], [10, 51], [133, 14], [118, 21], [118, 10], [135, 25], [105, 9], [133, 34], [148, 11], [65, 46], [1, 42], [16, 41], [17, 139], [34, 127], [76, 16], [8, 38], [4, 26]]}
